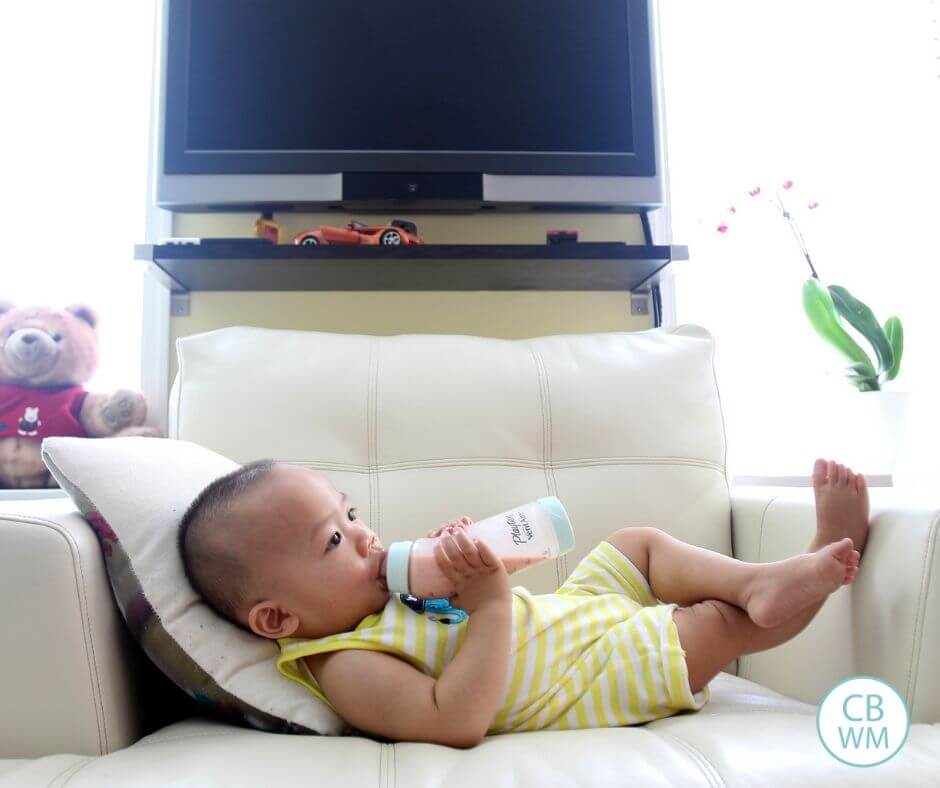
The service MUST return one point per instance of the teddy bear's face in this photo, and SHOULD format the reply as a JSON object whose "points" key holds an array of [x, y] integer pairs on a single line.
{"points": [[47, 347]]}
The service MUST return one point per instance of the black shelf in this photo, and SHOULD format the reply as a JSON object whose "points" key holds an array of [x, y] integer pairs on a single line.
{"points": [[572, 266]]}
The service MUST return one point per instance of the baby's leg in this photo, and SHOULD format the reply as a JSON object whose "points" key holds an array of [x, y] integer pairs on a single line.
{"points": [[713, 633], [770, 593]]}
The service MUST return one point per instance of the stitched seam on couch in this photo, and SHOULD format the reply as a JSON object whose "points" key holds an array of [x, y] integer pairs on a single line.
{"points": [[66, 775], [545, 404], [708, 770], [233, 731], [760, 549], [371, 419], [929, 560], [724, 429], [87, 640], [512, 461], [381, 771], [96, 677]]}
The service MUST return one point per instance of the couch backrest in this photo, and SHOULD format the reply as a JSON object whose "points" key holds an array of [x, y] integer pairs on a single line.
{"points": [[624, 427]]}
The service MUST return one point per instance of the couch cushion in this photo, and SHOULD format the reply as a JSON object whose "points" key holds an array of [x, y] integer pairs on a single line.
{"points": [[748, 735], [624, 427], [133, 492]]}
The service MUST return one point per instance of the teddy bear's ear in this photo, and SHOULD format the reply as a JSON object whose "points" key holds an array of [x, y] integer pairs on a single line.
{"points": [[84, 312], [5, 306]]}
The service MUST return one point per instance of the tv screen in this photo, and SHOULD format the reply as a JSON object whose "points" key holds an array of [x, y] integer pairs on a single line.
{"points": [[494, 86]]}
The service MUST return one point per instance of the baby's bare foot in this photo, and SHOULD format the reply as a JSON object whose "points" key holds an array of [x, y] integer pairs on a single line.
{"points": [[841, 505], [782, 589]]}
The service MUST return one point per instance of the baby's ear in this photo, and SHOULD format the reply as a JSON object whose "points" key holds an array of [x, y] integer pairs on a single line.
{"points": [[271, 621]]}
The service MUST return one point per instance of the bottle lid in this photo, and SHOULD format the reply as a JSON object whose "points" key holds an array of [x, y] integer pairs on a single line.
{"points": [[396, 567], [562, 523]]}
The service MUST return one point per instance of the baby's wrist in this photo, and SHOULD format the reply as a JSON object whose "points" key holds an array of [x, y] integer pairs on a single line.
{"points": [[492, 606]]}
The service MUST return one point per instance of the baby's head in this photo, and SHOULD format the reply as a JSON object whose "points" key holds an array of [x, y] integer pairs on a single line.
{"points": [[278, 550]]}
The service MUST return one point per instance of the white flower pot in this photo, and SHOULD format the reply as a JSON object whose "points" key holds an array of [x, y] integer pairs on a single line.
{"points": [[870, 429], [867, 431]]}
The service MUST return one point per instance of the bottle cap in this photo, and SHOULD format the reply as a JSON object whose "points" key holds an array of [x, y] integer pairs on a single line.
{"points": [[396, 567], [561, 522]]}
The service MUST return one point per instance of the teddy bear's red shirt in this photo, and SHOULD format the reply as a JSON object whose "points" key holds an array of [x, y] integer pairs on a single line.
{"points": [[39, 413]]}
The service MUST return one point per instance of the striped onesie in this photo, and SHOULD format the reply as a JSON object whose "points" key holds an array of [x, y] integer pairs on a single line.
{"points": [[601, 651]]}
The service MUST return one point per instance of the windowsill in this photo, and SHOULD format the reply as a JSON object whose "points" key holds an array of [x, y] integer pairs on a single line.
{"points": [[873, 480]]}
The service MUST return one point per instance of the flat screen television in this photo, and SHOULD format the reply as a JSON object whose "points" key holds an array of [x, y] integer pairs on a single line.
{"points": [[312, 104]]}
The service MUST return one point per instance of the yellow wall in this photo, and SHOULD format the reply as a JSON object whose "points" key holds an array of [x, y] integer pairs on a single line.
{"points": [[505, 314]]}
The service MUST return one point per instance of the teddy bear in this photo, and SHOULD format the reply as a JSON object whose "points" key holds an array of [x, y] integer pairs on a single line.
{"points": [[45, 356]]}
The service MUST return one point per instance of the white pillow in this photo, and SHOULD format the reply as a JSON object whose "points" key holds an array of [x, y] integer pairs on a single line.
{"points": [[133, 491]]}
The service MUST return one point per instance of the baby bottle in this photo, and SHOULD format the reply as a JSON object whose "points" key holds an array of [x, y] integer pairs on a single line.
{"points": [[521, 536]]}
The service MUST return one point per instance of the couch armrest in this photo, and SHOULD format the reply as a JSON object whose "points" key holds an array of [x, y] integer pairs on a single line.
{"points": [[886, 624], [69, 670]]}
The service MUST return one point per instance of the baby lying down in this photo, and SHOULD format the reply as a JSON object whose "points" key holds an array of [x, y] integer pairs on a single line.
{"points": [[636, 632]]}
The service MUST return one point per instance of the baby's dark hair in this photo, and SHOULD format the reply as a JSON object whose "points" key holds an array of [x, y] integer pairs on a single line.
{"points": [[214, 566]]}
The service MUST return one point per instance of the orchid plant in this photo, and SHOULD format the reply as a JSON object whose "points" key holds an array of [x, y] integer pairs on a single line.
{"points": [[826, 306]]}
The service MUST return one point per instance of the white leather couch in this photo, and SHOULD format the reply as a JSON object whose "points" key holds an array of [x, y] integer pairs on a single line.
{"points": [[625, 428]]}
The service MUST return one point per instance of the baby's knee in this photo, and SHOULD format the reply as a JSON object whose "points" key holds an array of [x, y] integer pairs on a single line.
{"points": [[710, 632], [634, 543], [731, 616], [714, 621]]}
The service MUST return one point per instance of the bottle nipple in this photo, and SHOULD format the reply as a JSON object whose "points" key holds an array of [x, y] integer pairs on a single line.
{"points": [[381, 574]]}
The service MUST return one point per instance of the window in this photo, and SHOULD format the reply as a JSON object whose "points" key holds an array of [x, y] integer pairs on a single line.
{"points": [[844, 99], [74, 163]]}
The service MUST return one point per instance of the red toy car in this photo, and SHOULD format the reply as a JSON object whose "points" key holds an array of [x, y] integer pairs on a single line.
{"points": [[397, 233], [561, 236]]}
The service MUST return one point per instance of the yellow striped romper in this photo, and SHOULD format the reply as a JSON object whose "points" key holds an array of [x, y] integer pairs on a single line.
{"points": [[601, 651]]}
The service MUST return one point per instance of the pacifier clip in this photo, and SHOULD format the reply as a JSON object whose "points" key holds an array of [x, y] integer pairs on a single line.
{"points": [[439, 610]]}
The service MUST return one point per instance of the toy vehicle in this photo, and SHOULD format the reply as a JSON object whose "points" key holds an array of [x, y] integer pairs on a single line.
{"points": [[266, 227], [396, 233], [561, 236]]}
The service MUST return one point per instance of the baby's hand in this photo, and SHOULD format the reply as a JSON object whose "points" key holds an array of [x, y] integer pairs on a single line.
{"points": [[463, 522], [477, 573]]}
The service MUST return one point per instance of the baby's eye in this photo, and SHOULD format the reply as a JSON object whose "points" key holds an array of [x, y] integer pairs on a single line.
{"points": [[337, 533]]}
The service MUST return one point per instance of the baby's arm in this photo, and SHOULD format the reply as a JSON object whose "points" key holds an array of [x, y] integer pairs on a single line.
{"points": [[385, 695], [381, 694]]}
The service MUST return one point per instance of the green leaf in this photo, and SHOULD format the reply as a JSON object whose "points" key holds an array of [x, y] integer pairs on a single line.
{"points": [[817, 303], [861, 318], [895, 334]]}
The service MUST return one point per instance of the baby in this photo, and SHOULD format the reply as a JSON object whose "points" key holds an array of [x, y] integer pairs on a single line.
{"points": [[636, 633]]}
